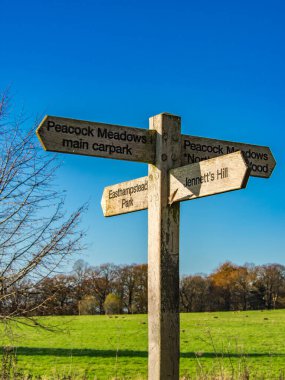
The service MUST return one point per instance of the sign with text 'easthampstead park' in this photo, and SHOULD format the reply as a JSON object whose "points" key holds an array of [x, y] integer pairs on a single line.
{"points": [[216, 175], [58, 134], [195, 149], [125, 197]]}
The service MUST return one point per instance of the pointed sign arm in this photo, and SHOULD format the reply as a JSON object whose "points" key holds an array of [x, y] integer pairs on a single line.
{"points": [[217, 175]]}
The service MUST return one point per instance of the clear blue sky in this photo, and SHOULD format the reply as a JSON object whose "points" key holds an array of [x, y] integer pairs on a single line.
{"points": [[217, 64]]}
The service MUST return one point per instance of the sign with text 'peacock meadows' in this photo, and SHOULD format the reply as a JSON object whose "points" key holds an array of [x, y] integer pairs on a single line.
{"points": [[58, 134], [196, 149]]}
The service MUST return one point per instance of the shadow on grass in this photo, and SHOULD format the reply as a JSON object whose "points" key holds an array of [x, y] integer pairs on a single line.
{"points": [[44, 351]]}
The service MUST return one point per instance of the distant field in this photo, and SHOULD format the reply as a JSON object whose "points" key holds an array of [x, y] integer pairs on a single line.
{"points": [[102, 347]]}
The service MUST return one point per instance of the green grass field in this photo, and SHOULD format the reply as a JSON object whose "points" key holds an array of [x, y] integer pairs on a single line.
{"points": [[227, 345]]}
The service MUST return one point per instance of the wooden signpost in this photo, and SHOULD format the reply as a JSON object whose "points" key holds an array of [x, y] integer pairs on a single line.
{"points": [[210, 167]]}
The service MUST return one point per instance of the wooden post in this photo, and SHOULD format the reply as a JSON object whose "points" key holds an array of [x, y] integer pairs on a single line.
{"points": [[163, 253]]}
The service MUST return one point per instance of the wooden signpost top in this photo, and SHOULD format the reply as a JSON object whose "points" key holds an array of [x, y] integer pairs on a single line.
{"points": [[58, 134]]}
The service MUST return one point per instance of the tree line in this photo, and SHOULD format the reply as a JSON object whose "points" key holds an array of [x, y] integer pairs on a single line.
{"points": [[234, 287], [114, 289]]}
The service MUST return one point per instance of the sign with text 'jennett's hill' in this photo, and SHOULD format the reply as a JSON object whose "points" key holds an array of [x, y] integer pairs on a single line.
{"points": [[58, 134], [209, 177]]}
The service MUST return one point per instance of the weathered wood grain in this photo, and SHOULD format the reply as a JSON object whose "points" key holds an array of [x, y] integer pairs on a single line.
{"points": [[210, 177], [125, 197], [195, 149], [163, 254], [58, 134]]}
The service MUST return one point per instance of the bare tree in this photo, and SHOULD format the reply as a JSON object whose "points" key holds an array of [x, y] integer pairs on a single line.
{"points": [[131, 286], [81, 271], [101, 282], [35, 233], [270, 285], [194, 293]]}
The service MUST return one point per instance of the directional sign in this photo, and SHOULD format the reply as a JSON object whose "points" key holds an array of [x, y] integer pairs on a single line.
{"points": [[59, 134], [125, 197], [217, 175], [195, 149], [211, 167]]}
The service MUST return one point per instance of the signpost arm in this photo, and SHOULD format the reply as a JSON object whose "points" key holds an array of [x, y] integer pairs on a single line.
{"points": [[163, 253]]}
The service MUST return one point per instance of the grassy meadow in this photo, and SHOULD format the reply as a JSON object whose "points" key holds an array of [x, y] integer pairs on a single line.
{"points": [[237, 345]]}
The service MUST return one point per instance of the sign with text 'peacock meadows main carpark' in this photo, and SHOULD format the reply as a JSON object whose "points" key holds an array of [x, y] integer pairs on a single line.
{"points": [[58, 134]]}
